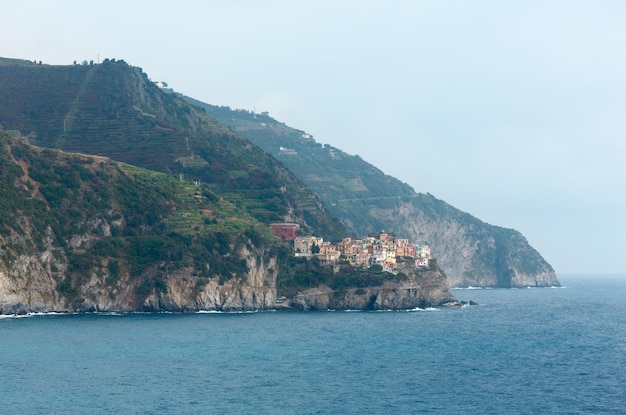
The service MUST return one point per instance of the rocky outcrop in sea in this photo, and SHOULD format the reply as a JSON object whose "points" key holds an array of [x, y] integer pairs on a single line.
{"points": [[422, 290]]}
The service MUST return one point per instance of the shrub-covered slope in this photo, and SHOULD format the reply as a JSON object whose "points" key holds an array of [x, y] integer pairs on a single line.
{"points": [[471, 252], [80, 233]]}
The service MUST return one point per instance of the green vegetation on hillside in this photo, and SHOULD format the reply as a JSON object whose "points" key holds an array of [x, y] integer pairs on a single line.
{"points": [[113, 110], [125, 222], [98, 216]]}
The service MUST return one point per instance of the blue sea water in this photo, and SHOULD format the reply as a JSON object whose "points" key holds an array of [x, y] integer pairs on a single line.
{"points": [[524, 351]]}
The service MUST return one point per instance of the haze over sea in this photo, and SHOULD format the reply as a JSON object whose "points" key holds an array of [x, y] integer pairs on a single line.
{"points": [[524, 351]]}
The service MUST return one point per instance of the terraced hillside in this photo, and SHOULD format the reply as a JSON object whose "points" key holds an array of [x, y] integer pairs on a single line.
{"points": [[114, 110]]}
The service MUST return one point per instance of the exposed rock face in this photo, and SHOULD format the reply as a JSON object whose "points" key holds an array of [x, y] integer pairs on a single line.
{"points": [[471, 252], [427, 290], [30, 286], [184, 294]]}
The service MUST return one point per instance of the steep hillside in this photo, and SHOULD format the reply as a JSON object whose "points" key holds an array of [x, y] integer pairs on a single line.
{"points": [[85, 233], [114, 110], [471, 252]]}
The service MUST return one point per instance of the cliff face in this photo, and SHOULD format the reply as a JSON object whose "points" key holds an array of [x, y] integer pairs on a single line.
{"points": [[471, 252], [30, 286], [429, 289], [256, 291]]}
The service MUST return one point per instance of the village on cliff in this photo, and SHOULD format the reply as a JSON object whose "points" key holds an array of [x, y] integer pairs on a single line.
{"points": [[383, 249]]}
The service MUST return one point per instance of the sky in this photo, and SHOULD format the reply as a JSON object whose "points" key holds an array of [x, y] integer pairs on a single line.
{"points": [[514, 112]]}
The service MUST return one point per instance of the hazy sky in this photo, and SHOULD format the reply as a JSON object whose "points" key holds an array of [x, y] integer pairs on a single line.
{"points": [[513, 111]]}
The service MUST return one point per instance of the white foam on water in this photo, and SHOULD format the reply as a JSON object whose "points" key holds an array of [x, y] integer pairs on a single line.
{"points": [[222, 312], [37, 314], [423, 309]]}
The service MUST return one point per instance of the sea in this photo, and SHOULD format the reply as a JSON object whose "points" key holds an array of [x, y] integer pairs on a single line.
{"points": [[519, 351]]}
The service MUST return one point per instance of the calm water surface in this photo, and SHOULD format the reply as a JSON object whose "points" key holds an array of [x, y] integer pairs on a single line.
{"points": [[526, 351]]}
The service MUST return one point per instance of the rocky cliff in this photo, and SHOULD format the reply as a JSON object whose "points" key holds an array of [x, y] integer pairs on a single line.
{"points": [[29, 286], [471, 252], [427, 289]]}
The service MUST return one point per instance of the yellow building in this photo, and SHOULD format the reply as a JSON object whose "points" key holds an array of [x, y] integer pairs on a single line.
{"points": [[303, 244]]}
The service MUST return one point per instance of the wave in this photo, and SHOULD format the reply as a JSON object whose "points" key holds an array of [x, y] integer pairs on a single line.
{"points": [[225, 312], [36, 314], [423, 309]]}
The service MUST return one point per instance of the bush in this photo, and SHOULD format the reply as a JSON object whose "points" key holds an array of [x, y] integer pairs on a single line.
{"points": [[376, 268]]}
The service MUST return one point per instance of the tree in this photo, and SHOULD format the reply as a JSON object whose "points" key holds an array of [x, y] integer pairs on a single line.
{"points": [[376, 268], [315, 249]]}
